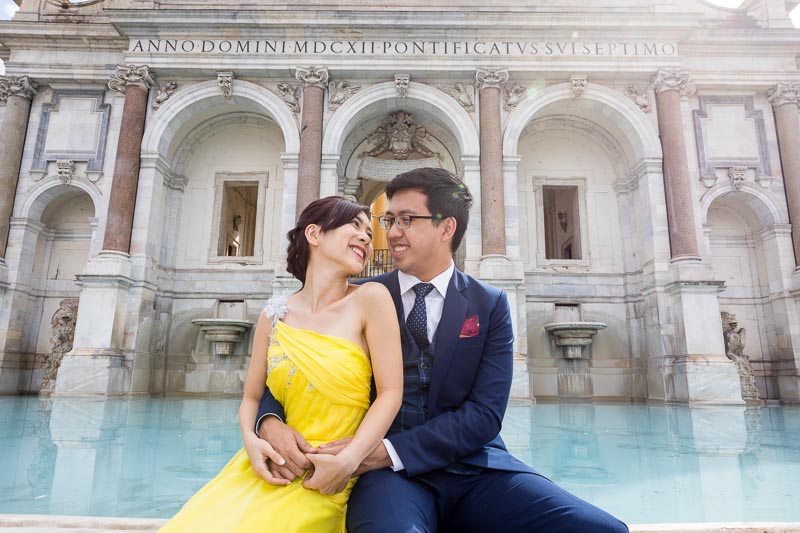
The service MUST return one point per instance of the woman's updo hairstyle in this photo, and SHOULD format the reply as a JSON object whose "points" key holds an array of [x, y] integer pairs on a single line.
{"points": [[327, 213]]}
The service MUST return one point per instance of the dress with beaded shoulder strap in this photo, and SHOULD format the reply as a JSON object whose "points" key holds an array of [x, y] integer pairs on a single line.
{"points": [[323, 384]]}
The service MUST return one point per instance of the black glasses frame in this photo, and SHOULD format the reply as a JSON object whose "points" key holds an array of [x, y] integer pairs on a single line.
{"points": [[401, 221]]}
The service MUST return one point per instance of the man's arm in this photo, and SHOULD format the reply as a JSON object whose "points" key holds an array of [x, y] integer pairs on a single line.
{"points": [[292, 445], [446, 438], [268, 406]]}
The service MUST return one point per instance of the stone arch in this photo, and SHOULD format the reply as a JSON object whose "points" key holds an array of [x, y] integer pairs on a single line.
{"points": [[422, 96], [192, 101], [628, 122], [587, 128], [762, 205], [48, 190], [209, 128]]}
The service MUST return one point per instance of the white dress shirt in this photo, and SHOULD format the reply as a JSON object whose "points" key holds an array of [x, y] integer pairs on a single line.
{"points": [[434, 305]]}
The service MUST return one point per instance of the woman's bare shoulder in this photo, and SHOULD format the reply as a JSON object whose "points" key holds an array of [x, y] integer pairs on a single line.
{"points": [[372, 292]]}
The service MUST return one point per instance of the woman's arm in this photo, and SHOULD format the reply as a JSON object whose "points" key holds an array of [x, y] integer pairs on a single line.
{"points": [[258, 450], [332, 472]]}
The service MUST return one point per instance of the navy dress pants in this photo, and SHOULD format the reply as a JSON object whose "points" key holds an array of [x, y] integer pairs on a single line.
{"points": [[494, 501]]}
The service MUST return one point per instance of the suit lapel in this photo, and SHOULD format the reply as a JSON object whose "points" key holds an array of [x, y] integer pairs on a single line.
{"points": [[453, 315]]}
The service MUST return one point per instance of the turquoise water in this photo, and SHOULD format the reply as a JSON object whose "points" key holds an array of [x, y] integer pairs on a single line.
{"points": [[644, 463]]}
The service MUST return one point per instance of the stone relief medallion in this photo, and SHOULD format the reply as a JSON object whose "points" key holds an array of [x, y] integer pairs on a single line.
{"points": [[398, 145], [401, 136]]}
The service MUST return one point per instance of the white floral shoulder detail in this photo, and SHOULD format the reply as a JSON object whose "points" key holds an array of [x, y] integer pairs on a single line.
{"points": [[276, 307]]}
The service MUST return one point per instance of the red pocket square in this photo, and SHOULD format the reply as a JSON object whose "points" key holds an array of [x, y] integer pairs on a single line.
{"points": [[471, 327]]}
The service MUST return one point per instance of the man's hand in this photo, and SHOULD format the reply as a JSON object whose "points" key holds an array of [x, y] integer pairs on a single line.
{"points": [[378, 458], [259, 452], [290, 445], [330, 474]]}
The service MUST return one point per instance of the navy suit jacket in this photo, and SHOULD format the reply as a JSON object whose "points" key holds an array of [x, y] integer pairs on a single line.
{"points": [[469, 387]]}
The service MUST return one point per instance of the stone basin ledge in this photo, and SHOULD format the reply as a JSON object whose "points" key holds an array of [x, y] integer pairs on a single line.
{"points": [[94, 524]]}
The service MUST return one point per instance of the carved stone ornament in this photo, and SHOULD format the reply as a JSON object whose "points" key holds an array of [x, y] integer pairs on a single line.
{"points": [[765, 181], [639, 96], [513, 94], [784, 93], [290, 95], [401, 82], [400, 136], [164, 93], [491, 77], [338, 93], [463, 94], [17, 86], [708, 181], [578, 86], [737, 176], [66, 170], [126, 75], [225, 80], [673, 80], [311, 75]]}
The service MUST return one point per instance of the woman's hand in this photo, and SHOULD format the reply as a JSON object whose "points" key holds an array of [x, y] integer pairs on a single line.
{"points": [[330, 473], [258, 451]]}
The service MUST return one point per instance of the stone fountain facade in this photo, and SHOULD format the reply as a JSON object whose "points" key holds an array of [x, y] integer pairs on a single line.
{"points": [[644, 176]]}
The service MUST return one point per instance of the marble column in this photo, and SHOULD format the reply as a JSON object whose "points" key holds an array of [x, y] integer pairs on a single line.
{"points": [[17, 93], [103, 359], [670, 86], [784, 99], [492, 207], [134, 82], [314, 80]]}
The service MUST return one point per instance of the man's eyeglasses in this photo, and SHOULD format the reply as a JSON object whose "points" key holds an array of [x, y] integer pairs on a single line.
{"points": [[402, 222]]}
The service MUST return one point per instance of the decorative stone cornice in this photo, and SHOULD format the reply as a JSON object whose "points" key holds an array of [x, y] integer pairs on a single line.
{"points": [[491, 77], [17, 86], [140, 76], [338, 93], [736, 175], [225, 81], [312, 76], [784, 93], [578, 86], [401, 82], [66, 170], [673, 80]]}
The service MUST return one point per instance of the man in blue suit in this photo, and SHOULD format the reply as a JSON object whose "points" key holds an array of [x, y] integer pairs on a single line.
{"points": [[443, 465]]}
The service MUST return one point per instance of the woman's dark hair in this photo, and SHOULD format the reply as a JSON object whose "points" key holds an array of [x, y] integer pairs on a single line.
{"points": [[327, 213], [447, 196]]}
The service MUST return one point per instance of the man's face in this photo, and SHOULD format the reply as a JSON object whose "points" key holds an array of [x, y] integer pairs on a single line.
{"points": [[418, 250]]}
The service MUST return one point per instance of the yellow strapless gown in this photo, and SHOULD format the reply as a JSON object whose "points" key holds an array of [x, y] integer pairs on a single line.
{"points": [[323, 383]]}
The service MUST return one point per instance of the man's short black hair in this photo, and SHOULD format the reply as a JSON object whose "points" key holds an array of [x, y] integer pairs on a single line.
{"points": [[447, 196]]}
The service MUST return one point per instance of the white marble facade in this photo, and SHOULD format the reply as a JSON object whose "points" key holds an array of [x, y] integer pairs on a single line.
{"points": [[578, 111]]}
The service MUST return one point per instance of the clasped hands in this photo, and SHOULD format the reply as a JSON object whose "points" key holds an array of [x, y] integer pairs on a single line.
{"points": [[280, 454]]}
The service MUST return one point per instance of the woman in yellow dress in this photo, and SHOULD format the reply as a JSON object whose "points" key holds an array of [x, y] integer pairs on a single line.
{"points": [[316, 351]]}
